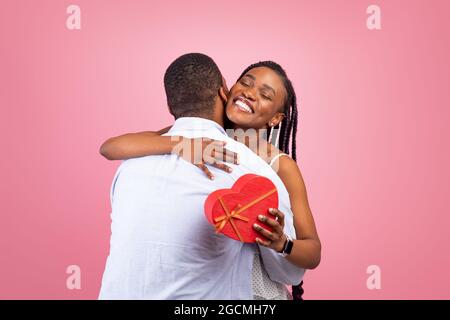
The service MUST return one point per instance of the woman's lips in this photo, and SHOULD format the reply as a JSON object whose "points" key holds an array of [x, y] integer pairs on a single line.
{"points": [[243, 104]]}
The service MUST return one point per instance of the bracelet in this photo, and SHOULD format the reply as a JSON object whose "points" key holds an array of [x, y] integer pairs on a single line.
{"points": [[287, 246]]}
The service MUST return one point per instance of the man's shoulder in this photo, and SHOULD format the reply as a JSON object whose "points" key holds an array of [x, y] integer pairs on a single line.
{"points": [[242, 150], [252, 163], [146, 163]]}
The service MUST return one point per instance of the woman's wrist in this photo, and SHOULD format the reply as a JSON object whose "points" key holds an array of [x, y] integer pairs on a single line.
{"points": [[175, 144], [287, 248], [283, 243]]}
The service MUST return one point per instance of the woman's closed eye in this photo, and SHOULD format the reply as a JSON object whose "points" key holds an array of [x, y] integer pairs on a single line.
{"points": [[266, 96], [245, 84]]}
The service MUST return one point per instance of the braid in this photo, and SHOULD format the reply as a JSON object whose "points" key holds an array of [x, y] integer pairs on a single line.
{"points": [[294, 127], [289, 123]]}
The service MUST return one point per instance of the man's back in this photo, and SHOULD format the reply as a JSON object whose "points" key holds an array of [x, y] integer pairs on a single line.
{"points": [[162, 246]]}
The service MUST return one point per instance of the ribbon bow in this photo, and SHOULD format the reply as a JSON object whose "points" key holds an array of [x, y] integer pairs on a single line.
{"points": [[235, 214]]}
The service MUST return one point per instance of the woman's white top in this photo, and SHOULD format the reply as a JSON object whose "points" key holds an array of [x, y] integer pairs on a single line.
{"points": [[263, 287]]}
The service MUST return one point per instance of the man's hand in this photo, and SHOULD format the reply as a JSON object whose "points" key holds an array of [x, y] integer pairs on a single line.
{"points": [[275, 239]]}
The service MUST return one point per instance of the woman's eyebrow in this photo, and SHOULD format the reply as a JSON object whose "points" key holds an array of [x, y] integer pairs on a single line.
{"points": [[265, 86]]}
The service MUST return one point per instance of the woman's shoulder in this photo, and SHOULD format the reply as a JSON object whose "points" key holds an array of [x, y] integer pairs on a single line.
{"points": [[286, 167], [289, 173], [277, 158], [284, 164], [280, 160]]}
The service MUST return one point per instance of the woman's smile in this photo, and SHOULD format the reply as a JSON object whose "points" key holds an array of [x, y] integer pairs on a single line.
{"points": [[243, 104]]}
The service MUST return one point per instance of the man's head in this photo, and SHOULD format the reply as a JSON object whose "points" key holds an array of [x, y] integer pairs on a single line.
{"points": [[195, 87]]}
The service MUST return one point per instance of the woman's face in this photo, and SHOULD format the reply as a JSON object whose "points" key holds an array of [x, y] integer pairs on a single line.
{"points": [[256, 99]]}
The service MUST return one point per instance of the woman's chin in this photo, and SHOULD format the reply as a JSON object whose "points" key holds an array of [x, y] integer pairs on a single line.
{"points": [[241, 119], [241, 122]]}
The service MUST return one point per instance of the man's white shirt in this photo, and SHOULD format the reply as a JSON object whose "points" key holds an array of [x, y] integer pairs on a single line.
{"points": [[162, 246]]}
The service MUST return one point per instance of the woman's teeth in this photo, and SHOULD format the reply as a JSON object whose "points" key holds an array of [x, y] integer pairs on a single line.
{"points": [[242, 106]]}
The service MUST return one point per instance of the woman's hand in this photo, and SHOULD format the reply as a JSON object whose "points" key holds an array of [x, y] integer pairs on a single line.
{"points": [[204, 151], [275, 239]]}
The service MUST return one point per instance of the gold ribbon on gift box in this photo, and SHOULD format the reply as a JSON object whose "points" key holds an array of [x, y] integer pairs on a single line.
{"points": [[235, 214]]}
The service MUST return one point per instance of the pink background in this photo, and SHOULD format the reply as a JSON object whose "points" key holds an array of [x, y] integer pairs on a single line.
{"points": [[373, 129]]}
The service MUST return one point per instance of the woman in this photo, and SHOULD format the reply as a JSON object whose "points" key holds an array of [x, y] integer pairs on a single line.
{"points": [[262, 98]]}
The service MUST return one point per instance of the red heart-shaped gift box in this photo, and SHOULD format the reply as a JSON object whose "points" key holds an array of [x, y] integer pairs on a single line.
{"points": [[234, 211]]}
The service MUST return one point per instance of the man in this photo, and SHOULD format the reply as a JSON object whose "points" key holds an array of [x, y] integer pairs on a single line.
{"points": [[162, 246]]}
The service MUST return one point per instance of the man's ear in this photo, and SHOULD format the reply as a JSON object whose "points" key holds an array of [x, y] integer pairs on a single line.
{"points": [[223, 93], [224, 85], [170, 110], [223, 90]]}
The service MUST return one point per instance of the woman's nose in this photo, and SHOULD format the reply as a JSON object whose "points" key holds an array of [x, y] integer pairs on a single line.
{"points": [[249, 94]]}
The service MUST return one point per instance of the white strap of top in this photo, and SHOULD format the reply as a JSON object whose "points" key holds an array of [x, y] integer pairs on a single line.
{"points": [[276, 157]]}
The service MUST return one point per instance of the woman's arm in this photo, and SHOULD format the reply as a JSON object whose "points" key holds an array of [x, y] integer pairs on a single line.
{"points": [[306, 252], [146, 143], [140, 144]]}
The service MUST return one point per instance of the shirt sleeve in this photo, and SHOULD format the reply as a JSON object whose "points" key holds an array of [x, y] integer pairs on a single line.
{"points": [[278, 267], [113, 187]]}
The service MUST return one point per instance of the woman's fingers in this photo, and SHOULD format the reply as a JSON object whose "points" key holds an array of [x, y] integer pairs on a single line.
{"points": [[276, 238], [222, 166], [274, 224], [267, 234], [218, 143], [274, 241], [265, 243], [231, 157], [225, 155], [278, 214], [205, 169], [214, 150], [212, 153]]}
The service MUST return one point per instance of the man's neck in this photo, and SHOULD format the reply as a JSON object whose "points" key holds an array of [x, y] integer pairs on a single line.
{"points": [[195, 124], [219, 112], [218, 121]]}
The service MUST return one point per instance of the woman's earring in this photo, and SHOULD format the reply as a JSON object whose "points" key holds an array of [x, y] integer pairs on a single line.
{"points": [[277, 132], [271, 130], [278, 135]]}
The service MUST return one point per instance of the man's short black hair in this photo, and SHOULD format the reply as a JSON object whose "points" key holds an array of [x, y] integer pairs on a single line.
{"points": [[192, 83]]}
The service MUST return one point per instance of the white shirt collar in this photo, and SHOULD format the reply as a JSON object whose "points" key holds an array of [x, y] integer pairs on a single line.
{"points": [[196, 124]]}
